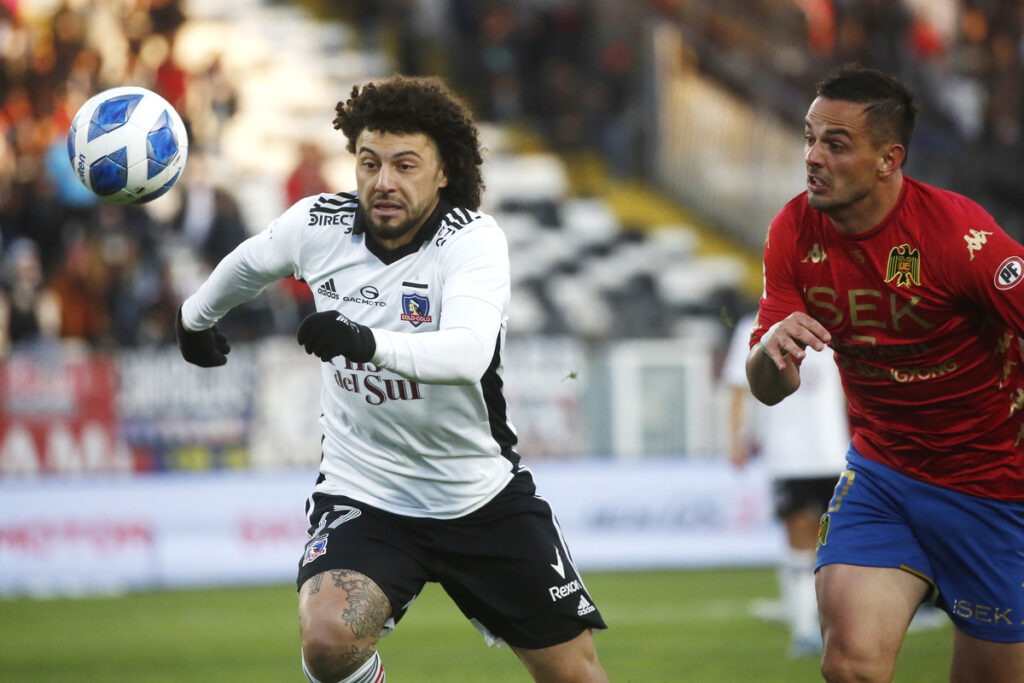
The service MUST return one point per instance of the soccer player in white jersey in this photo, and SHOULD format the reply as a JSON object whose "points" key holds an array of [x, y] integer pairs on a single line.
{"points": [[419, 478]]}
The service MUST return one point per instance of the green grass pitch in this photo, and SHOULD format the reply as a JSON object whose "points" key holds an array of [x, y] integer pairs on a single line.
{"points": [[663, 627]]}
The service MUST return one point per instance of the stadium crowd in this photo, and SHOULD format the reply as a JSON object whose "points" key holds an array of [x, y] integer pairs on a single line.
{"points": [[73, 267], [573, 69], [964, 60]]}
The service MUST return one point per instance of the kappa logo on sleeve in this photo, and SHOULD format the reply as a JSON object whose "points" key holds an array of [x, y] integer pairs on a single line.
{"points": [[815, 255], [976, 239], [1009, 273]]}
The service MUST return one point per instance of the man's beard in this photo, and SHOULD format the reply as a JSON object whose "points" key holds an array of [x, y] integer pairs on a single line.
{"points": [[390, 231]]}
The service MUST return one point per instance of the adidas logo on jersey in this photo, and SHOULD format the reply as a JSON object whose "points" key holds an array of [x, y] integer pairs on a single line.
{"points": [[585, 607], [327, 289]]}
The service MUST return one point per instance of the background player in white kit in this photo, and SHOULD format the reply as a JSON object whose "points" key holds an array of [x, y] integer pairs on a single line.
{"points": [[419, 478], [803, 446]]}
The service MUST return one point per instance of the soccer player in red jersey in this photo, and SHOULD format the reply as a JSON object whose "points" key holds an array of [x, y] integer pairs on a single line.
{"points": [[918, 291]]}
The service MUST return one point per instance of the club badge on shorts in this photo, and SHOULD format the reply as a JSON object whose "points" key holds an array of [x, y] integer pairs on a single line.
{"points": [[314, 549]]}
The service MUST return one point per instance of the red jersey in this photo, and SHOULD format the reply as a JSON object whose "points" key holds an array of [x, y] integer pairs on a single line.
{"points": [[924, 311]]}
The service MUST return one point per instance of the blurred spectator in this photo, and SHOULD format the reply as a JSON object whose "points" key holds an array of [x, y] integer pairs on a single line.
{"points": [[209, 218], [1003, 109], [166, 17], [170, 80], [82, 285], [875, 32], [128, 238], [67, 28], [307, 177], [212, 101], [29, 311]]}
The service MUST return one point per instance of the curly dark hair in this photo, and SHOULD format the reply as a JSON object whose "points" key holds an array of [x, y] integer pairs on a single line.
{"points": [[406, 104]]}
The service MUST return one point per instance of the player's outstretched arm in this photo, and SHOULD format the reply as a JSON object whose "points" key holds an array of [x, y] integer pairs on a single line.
{"points": [[206, 348], [771, 371]]}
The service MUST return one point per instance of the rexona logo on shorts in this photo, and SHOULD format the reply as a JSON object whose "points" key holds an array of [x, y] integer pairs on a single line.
{"points": [[559, 592]]}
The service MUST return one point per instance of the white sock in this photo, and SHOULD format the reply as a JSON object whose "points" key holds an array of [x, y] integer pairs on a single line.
{"points": [[798, 594], [372, 671]]}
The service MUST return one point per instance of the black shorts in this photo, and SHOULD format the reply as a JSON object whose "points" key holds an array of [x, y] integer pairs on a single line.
{"points": [[505, 565], [803, 493]]}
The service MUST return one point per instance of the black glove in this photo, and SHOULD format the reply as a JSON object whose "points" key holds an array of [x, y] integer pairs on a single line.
{"points": [[328, 334], [205, 348]]}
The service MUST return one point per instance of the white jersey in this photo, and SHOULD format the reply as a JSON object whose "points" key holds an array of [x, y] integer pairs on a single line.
{"points": [[807, 434], [421, 430]]}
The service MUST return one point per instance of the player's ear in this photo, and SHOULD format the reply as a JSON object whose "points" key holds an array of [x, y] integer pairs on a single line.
{"points": [[892, 159], [444, 178]]}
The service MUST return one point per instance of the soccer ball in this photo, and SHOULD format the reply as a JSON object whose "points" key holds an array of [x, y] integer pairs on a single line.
{"points": [[127, 145]]}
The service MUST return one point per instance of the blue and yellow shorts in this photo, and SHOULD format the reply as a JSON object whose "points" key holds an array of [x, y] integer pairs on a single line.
{"points": [[970, 549]]}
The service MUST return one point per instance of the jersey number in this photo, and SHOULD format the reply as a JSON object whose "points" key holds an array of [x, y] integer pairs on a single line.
{"points": [[842, 488], [347, 513]]}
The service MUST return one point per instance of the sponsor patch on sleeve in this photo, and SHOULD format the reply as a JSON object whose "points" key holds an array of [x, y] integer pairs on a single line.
{"points": [[1009, 273]]}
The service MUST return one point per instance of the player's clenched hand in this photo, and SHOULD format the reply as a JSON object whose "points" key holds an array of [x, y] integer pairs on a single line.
{"points": [[328, 334], [205, 348], [791, 336]]}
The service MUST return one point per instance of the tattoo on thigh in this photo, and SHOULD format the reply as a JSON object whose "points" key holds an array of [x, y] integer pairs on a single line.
{"points": [[314, 583], [368, 607], [355, 658]]}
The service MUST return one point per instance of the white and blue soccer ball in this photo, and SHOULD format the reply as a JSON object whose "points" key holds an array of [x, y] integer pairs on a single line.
{"points": [[128, 145]]}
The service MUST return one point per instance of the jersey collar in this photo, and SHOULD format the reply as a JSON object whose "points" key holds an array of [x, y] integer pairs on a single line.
{"points": [[426, 231]]}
